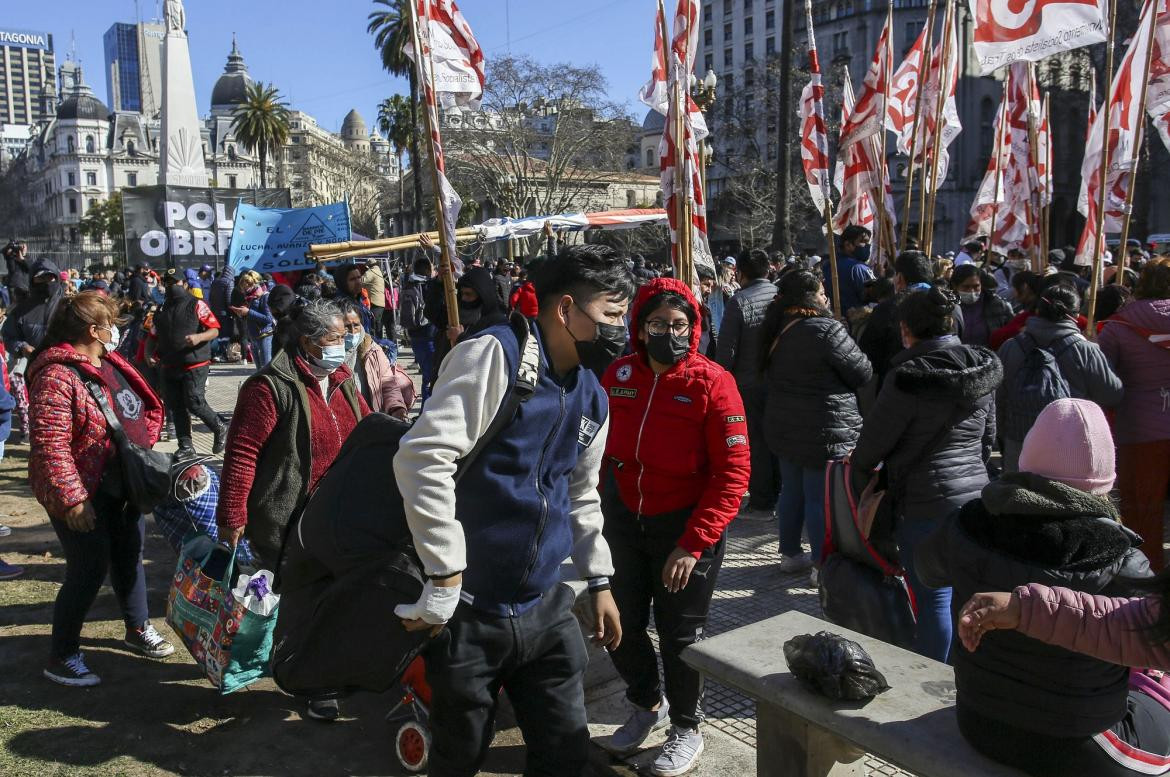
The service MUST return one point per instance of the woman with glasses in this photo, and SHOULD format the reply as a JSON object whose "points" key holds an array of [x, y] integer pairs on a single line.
{"points": [[677, 466]]}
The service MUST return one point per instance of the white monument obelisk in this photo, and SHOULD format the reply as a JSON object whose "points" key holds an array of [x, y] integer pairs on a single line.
{"points": [[181, 153]]}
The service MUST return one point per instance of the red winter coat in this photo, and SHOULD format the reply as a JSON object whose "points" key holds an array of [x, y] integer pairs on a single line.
{"points": [[70, 444], [678, 439], [524, 300]]}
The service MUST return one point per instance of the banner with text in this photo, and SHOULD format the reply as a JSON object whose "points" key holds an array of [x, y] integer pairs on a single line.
{"points": [[176, 226], [275, 239], [1006, 32]]}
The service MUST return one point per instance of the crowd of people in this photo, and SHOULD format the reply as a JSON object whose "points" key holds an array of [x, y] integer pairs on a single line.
{"points": [[997, 421]]}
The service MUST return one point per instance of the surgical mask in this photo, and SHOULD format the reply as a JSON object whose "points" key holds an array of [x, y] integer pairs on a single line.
{"points": [[968, 297], [352, 340], [332, 357], [606, 346], [861, 253], [115, 338], [1018, 264], [668, 348]]}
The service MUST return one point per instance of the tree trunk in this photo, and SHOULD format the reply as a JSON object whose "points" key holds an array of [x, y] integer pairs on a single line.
{"points": [[401, 193], [263, 166], [781, 232], [414, 156]]}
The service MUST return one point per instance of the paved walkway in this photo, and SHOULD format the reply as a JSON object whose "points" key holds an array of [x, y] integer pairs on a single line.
{"points": [[750, 585]]}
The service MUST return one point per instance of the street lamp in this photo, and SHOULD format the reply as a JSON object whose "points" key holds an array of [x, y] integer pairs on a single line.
{"points": [[703, 93]]}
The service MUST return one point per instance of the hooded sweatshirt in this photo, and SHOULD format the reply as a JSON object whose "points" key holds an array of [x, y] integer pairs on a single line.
{"points": [[1143, 366], [488, 311], [678, 439], [27, 323]]}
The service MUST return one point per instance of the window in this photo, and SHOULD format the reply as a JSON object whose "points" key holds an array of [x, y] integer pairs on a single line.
{"points": [[131, 179], [89, 144], [73, 205], [770, 46], [631, 198], [131, 147], [707, 37], [770, 20], [727, 7], [71, 144], [231, 151], [748, 25], [232, 182], [727, 58], [72, 179], [747, 4], [708, 63], [91, 179], [748, 52], [727, 31], [912, 31], [650, 157], [840, 43], [749, 78], [707, 12]]}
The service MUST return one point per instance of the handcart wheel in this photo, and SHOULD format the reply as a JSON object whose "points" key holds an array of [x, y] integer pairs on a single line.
{"points": [[413, 746]]}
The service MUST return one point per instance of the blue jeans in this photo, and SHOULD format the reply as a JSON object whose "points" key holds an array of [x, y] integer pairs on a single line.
{"points": [[261, 351], [801, 506], [934, 604], [424, 357]]}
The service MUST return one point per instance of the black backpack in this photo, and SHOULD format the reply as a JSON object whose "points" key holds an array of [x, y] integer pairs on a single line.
{"points": [[413, 312], [1037, 384], [347, 560]]}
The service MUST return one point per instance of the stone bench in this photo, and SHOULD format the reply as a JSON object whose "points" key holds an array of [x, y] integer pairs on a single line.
{"points": [[803, 734]]}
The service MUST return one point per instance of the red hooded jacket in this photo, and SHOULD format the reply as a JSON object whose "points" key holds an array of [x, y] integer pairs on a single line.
{"points": [[678, 439]]}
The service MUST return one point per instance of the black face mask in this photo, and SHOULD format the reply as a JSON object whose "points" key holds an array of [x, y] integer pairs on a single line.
{"points": [[668, 348], [470, 312], [600, 352]]}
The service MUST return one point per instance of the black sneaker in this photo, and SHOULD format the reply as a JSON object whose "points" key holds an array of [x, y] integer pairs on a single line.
{"points": [[147, 641], [72, 672], [325, 710], [220, 440]]}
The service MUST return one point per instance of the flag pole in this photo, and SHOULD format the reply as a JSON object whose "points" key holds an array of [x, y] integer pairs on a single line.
{"points": [[944, 80], [923, 73], [1045, 195], [1102, 175], [446, 268], [834, 274], [887, 239], [1036, 218], [1135, 156], [1000, 132]]}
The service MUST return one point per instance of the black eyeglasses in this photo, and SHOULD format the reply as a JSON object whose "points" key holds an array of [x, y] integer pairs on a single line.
{"points": [[656, 326]]}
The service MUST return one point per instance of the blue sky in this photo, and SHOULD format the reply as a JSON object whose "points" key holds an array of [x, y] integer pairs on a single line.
{"points": [[319, 55]]}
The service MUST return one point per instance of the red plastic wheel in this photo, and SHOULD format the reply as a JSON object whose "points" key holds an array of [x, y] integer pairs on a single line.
{"points": [[413, 746]]}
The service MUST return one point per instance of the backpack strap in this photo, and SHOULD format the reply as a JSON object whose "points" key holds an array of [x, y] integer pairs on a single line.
{"points": [[523, 387]]}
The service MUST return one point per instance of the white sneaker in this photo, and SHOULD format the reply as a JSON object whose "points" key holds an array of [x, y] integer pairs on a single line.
{"points": [[814, 577], [680, 753], [72, 671], [640, 725], [793, 565]]}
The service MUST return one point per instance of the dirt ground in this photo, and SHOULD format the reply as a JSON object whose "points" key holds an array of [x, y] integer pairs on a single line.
{"points": [[155, 717]]}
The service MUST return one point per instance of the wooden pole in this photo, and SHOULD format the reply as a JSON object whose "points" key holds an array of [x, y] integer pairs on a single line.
{"points": [[446, 269], [944, 86], [1046, 208], [834, 276], [923, 74], [1035, 220], [1135, 156], [885, 228], [319, 250], [999, 138], [1103, 176]]}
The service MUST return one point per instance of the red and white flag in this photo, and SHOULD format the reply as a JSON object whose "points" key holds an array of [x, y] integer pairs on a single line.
{"points": [[930, 138], [450, 70], [858, 177], [1125, 115], [991, 190], [867, 117], [1158, 97], [656, 92], [1010, 30], [814, 144], [1042, 165], [904, 91]]}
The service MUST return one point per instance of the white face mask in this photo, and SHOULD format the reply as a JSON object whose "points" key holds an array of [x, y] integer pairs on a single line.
{"points": [[115, 338], [968, 297]]}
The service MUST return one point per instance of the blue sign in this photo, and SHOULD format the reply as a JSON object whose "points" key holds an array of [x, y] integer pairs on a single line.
{"points": [[27, 39], [275, 239]]}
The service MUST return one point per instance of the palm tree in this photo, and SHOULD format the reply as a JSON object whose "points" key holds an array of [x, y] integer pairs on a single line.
{"points": [[396, 121], [260, 122], [392, 31]]}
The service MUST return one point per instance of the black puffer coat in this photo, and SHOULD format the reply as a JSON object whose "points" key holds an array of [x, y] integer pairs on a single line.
{"points": [[1027, 529], [811, 410], [741, 332], [937, 384]]}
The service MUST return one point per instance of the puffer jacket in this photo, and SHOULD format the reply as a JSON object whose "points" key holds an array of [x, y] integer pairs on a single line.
{"points": [[1081, 362], [386, 387], [740, 332], [677, 440], [937, 384], [812, 376], [1144, 368], [1028, 529], [69, 441]]}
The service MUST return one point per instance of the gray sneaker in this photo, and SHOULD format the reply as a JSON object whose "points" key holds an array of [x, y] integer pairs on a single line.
{"points": [[680, 753], [640, 725]]}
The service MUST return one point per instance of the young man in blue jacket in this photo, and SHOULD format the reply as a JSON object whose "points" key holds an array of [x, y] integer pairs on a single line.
{"points": [[493, 544]]}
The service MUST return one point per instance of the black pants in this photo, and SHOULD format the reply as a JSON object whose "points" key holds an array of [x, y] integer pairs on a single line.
{"points": [[1145, 727], [640, 546], [540, 658], [183, 392], [115, 544], [376, 317], [765, 479]]}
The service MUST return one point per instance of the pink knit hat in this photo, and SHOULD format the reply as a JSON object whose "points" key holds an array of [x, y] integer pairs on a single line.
{"points": [[1071, 442]]}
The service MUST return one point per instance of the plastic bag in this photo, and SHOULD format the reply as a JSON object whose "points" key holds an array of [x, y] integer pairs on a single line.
{"points": [[834, 666], [255, 593]]}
